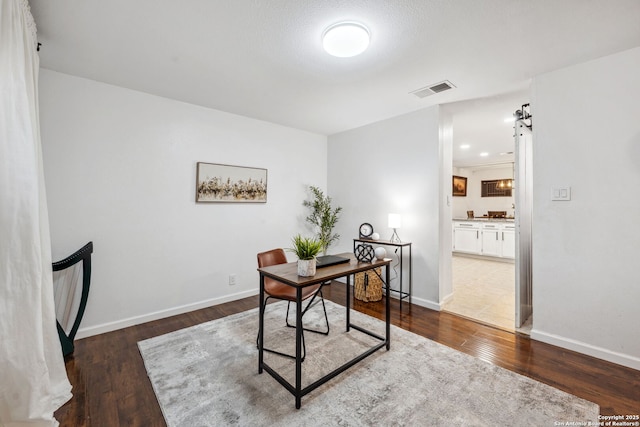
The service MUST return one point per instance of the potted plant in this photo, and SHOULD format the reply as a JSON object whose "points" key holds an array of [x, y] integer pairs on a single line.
{"points": [[306, 249], [323, 216]]}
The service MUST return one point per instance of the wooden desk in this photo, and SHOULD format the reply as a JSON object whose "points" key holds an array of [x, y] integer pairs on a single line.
{"points": [[288, 274]]}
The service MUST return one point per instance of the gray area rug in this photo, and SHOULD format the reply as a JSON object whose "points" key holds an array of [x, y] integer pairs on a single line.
{"points": [[207, 375]]}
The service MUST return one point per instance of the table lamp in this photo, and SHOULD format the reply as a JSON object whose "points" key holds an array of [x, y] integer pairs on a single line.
{"points": [[395, 222]]}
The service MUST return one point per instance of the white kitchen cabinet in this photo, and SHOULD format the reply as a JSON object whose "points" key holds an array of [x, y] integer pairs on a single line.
{"points": [[491, 243], [488, 238], [509, 241], [466, 237]]}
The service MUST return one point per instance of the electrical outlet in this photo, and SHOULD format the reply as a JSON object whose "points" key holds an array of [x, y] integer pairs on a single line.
{"points": [[232, 279]]}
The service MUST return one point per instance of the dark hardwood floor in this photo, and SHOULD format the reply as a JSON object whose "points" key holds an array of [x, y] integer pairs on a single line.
{"points": [[111, 388]]}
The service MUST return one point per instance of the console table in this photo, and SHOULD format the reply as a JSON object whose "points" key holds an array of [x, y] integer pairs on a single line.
{"points": [[398, 245], [288, 275]]}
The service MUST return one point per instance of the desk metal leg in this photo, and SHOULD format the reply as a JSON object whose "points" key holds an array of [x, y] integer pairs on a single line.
{"points": [[401, 278], [388, 309], [261, 326], [348, 302], [298, 347], [410, 274]]}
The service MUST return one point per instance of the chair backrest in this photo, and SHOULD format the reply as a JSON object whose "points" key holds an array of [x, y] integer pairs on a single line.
{"points": [[272, 257]]}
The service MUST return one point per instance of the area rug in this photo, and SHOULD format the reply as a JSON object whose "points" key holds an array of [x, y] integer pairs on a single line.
{"points": [[207, 375]]}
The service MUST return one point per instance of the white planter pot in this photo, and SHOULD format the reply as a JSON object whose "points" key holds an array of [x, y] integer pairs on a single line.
{"points": [[306, 267]]}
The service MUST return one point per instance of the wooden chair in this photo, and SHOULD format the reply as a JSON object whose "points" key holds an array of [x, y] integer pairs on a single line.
{"points": [[277, 290]]}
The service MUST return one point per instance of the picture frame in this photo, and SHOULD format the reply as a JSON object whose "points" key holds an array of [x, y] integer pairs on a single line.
{"points": [[219, 183], [459, 185]]}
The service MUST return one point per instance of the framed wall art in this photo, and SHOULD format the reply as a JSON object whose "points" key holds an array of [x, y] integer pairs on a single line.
{"points": [[216, 183], [459, 186]]}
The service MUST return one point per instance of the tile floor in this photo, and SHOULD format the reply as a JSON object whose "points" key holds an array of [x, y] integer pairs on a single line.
{"points": [[483, 290]]}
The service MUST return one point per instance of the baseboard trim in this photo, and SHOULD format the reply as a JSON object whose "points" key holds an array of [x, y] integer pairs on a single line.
{"points": [[414, 300], [161, 314], [588, 349], [426, 303], [446, 299]]}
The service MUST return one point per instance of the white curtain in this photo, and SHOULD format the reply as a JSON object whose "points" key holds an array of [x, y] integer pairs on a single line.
{"points": [[33, 380]]}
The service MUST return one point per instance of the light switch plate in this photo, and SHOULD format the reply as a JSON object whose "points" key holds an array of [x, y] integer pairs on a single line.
{"points": [[560, 193]]}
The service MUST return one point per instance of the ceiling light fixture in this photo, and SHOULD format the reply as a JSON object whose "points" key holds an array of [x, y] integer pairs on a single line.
{"points": [[505, 184], [345, 39]]}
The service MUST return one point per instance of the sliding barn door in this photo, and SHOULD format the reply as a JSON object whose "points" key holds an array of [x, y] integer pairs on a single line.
{"points": [[523, 198]]}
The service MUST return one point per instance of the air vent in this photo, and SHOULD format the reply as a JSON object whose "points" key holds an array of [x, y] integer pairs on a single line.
{"points": [[433, 89]]}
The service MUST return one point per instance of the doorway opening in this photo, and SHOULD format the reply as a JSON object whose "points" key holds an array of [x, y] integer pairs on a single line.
{"points": [[483, 247], [486, 269]]}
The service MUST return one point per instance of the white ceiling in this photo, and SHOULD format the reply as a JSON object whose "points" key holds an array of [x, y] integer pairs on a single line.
{"points": [[480, 124], [264, 59]]}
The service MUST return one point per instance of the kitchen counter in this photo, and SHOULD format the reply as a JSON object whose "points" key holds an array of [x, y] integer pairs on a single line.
{"points": [[485, 219]]}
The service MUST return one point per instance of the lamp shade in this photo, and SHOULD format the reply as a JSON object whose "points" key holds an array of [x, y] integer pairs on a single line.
{"points": [[395, 220]]}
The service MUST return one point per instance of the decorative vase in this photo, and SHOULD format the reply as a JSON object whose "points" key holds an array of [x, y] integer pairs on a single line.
{"points": [[306, 267], [375, 236], [380, 252]]}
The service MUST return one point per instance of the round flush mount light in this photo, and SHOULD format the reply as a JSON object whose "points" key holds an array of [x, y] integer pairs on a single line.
{"points": [[345, 39]]}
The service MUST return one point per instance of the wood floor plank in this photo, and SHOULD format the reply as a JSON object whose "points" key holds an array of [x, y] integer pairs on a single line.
{"points": [[111, 387]]}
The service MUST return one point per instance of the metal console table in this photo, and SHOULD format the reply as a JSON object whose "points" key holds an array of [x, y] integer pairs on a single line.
{"points": [[398, 245]]}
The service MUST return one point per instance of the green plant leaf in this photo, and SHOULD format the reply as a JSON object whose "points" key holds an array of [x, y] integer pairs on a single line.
{"points": [[305, 247], [323, 216]]}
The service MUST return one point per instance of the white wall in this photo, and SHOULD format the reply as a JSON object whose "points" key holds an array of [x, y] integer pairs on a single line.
{"points": [[474, 200], [585, 251], [120, 170], [393, 166], [446, 206]]}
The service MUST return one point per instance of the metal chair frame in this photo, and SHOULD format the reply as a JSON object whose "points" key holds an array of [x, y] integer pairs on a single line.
{"points": [[309, 305]]}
